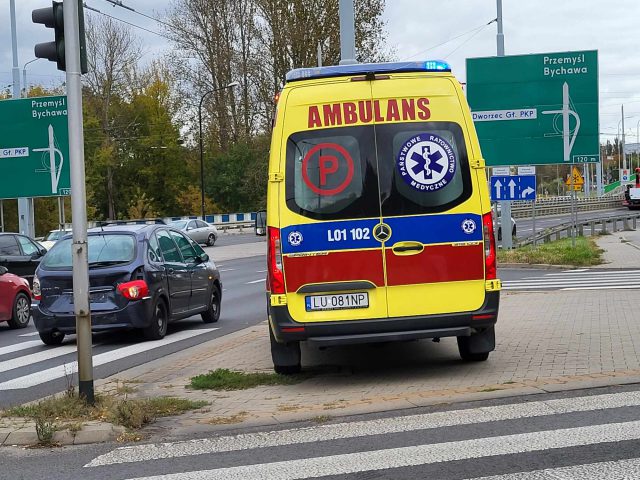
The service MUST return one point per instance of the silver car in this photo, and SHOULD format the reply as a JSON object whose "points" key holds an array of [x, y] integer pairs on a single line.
{"points": [[198, 230]]}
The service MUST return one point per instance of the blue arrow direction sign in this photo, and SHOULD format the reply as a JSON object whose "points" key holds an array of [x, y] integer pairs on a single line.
{"points": [[514, 187]]}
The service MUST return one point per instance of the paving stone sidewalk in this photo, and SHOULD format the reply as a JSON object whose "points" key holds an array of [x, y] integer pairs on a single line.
{"points": [[545, 342], [621, 249]]}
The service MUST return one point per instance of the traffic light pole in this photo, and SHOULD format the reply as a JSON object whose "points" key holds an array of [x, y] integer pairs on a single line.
{"points": [[78, 199]]}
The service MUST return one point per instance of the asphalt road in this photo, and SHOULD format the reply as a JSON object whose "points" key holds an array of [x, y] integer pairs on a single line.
{"points": [[30, 370], [586, 435]]}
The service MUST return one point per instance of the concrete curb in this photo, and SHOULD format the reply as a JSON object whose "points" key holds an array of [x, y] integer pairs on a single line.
{"points": [[26, 435]]}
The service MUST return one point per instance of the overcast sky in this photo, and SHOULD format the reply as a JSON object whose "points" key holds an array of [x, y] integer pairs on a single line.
{"points": [[416, 27]]}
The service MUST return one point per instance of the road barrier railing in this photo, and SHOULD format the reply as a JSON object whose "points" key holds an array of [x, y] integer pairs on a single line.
{"points": [[594, 226], [560, 205]]}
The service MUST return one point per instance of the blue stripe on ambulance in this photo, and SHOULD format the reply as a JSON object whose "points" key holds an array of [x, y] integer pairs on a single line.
{"points": [[358, 234], [428, 229]]}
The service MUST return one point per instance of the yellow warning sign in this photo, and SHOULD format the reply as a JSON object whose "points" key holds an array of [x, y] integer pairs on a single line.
{"points": [[578, 180]]}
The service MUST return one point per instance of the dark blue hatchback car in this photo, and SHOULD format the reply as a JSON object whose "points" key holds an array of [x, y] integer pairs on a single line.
{"points": [[140, 276]]}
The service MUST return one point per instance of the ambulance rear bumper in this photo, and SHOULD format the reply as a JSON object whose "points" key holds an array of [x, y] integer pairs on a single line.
{"points": [[346, 332]]}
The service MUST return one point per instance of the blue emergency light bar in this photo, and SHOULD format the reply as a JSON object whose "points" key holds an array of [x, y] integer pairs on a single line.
{"points": [[364, 68]]}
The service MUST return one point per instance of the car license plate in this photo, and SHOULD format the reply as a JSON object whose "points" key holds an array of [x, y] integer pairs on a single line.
{"points": [[338, 301]]}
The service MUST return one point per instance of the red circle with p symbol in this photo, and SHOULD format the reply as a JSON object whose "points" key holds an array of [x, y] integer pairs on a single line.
{"points": [[327, 157]]}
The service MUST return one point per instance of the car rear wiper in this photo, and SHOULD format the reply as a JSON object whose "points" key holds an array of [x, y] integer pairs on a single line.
{"points": [[107, 263]]}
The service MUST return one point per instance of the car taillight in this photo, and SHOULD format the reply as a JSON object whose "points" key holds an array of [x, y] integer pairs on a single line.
{"points": [[134, 290], [36, 293], [275, 277], [489, 247]]}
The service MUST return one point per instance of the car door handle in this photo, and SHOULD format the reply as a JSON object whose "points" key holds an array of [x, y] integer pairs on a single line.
{"points": [[170, 271], [407, 248]]}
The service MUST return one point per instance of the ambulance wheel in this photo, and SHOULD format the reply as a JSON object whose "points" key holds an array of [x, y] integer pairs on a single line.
{"points": [[476, 348], [285, 356]]}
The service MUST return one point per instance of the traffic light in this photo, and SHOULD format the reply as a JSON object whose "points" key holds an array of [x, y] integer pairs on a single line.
{"points": [[53, 17]]}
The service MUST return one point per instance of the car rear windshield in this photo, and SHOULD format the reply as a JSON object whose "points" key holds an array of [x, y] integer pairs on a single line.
{"points": [[368, 171], [104, 250], [179, 224]]}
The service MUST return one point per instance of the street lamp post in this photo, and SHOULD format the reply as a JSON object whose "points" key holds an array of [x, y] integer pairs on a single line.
{"points": [[231, 85], [24, 75]]}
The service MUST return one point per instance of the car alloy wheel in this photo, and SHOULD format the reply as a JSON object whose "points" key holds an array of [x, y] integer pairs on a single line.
{"points": [[21, 312], [211, 240]]}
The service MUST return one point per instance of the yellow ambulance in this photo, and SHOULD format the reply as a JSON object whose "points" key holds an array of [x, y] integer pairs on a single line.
{"points": [[378, 215]]}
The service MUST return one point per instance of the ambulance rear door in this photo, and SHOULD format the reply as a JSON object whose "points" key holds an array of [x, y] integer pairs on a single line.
{"points": [[431, 210]]}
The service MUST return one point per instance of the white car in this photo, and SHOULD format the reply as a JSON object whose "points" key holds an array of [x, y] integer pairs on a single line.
{"points": [[198, 230], [52, 237]]}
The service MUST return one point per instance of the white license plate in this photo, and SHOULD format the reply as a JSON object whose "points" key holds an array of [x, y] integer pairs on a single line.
{"points": [[338, 301]]}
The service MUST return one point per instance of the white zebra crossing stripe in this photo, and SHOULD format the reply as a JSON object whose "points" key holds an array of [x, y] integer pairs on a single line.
{"points": [[417, 455], [256, 281], [32, 334], [60, 371], [36, 357], [619, 470], [16, 347], [140, 453]]}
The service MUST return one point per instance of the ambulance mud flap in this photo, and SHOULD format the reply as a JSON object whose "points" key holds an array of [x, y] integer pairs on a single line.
{"points": [[286, 357]]}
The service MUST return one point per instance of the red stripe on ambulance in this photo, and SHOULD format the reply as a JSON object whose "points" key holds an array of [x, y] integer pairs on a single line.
{"points": [[436, 263], [334, 267]]}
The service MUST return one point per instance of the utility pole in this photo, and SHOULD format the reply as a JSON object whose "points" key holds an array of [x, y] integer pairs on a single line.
{"points": [[624, 156], [505, 207], [72, 12], [347, 33]]}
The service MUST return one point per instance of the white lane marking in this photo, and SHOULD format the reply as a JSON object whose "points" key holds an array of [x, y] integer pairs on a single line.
{"points": [[262, 271], [142, 453], [60, 371], [596, 272], [32, 334], [16, 347], [255, 281], [604, 287], [377, 460], [576, 281], [576, 271], [621, 469], [37, 357], [226, 269]]}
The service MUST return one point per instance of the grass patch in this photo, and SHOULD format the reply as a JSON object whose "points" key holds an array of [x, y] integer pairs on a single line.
{"points": [[561, 252], [130, 413], [225, 379]]}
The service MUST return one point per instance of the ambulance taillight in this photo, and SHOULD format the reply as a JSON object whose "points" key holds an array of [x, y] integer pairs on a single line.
{"points": [[489, 247], [275, 276]]}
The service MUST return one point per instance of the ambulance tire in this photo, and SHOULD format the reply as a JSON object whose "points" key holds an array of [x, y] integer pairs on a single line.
{"points": [[286, 356], [476, 348]]}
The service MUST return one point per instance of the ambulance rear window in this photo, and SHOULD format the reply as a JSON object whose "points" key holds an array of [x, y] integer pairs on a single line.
{"points": [[331, 173], [423, 167]]}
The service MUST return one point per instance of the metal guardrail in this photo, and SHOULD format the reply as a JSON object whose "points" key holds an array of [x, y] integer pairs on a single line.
{"points": [[597, 226], [559, 205]]}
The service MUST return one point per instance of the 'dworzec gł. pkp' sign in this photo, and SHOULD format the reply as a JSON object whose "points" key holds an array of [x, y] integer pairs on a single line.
{"points": [[34, 147], [536, 109]]}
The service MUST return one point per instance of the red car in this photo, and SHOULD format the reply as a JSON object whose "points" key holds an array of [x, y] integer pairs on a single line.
{"points": [[15, 299]]}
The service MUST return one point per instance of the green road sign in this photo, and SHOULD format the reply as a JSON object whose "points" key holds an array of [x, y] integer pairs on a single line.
{"points": [[536, 109], [34, 148]]}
